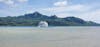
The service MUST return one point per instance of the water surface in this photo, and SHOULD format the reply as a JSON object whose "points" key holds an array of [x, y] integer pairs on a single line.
{"points": [[50, 37]]}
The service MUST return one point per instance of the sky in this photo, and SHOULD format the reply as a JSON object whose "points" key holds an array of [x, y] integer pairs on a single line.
{"points": [[88, 10]]}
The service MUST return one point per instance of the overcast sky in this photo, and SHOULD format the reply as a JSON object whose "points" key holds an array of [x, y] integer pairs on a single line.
{"points": [[85, 9]]}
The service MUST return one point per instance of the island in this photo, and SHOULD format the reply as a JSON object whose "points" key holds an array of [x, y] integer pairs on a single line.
{"points": [[33, 19]]}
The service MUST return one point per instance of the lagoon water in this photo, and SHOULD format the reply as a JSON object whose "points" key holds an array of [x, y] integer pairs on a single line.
{"points": [[50, 37]]}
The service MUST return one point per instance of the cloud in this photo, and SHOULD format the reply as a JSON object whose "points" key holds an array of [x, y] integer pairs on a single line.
{"points": [[7, 2], [22, 1], [64, 6], [61, 3], [92, 15], [12, 2], [73, 8]]}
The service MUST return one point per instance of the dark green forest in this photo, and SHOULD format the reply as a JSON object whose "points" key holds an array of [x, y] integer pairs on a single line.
{"points": [[33, 19]]}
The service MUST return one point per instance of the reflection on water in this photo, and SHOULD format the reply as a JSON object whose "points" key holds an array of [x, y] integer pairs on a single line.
{"points": [[49, 37]]}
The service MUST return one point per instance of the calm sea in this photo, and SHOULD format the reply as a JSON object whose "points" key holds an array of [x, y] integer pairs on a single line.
{"points": [[50, 37]]}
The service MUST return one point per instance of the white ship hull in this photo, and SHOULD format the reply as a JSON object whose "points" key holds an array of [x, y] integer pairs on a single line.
{"points": [[43, 24]]}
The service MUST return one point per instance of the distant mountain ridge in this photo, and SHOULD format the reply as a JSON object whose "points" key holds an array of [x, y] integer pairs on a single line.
{"points": [[33, 19]]}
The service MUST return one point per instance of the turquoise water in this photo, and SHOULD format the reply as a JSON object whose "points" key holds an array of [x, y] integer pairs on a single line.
{"points": [[50, 37]]}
